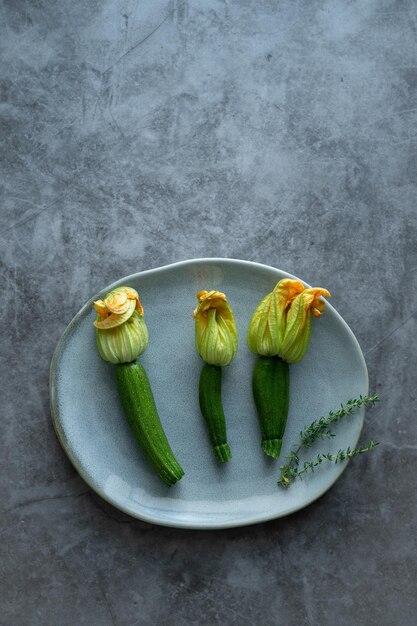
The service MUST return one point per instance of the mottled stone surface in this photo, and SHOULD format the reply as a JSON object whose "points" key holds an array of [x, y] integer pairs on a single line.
{"points": [[138, 133]]}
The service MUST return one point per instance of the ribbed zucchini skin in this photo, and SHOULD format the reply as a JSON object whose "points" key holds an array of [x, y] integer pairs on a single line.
{"points": [[139, 407], [271, 392], [210, 396]]}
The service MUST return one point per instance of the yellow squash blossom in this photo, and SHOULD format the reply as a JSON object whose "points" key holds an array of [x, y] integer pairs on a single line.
{"points": [[121, 331], [281, 323], [215, 328]]}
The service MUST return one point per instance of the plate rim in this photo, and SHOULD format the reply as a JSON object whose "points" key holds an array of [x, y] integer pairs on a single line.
{"points": [[186, 524]]}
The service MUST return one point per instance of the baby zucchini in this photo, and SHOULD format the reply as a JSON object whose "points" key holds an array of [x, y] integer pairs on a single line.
{"points": [[279, 332], [210, 396], [139, 407], [271, 392], [122, 336], [216, 343]]}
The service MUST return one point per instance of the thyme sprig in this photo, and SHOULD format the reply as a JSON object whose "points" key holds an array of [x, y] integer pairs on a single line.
{"points": [[319, 429]]}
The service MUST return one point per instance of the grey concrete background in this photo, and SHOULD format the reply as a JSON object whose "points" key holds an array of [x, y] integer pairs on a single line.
{"points": [[135, 133]]}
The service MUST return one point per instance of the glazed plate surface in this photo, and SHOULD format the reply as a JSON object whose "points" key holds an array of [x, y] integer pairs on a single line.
{"points": [[93, 431]]}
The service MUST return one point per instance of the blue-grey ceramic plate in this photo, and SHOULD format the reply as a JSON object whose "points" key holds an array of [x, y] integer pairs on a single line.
{"points": [[93, 431]]}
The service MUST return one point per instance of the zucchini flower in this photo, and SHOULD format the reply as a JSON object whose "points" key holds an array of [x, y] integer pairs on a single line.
{"points": [[279, 332], [215, 328], [121, 336], [281, 324], [216, 342], [121, 332]]}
